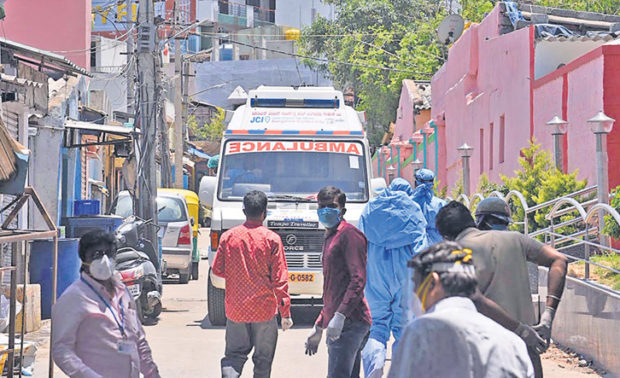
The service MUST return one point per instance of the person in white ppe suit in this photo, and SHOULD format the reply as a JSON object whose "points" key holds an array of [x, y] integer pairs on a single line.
{"points": [[448, 337]]}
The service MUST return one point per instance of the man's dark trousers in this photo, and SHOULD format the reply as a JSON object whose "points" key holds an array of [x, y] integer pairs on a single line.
{"points": [[345, 353], [241, 338]]}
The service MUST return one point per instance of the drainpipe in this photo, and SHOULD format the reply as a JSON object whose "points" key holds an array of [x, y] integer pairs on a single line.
{"points": [[434, 126], [398, 158], [425, 143]]}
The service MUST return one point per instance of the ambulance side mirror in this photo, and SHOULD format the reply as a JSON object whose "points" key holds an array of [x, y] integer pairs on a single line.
{"points": [[207, 190]]}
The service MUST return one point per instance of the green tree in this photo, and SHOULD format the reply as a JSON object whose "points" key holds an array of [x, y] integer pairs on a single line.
{"points": [[612, 228], [539, 181], [372, 46], [599, 6], [217, 125], [212, 130]]}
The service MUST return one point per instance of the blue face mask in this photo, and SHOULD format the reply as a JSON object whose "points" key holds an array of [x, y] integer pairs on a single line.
{"points": [[499, 227], [329, 217]]}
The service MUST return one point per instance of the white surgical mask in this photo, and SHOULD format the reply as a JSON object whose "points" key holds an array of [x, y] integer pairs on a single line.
{"points": [[102, 269]]}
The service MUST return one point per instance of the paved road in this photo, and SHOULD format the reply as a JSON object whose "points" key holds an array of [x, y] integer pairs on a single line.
{"points": [[186, 345]]}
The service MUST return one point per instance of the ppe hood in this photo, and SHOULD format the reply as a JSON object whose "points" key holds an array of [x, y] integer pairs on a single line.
{"points": [[393, 220], [401, 185]]}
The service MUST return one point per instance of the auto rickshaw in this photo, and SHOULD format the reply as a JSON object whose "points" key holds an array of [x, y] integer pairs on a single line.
{"points": [[193, 207]]}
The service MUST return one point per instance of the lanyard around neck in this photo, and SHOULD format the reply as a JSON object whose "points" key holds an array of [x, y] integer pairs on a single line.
{"points": [[121, 324]]}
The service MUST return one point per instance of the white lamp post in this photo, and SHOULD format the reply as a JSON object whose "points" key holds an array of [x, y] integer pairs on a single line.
{"points": [[558, 128], [465, 151], [601, 125]]}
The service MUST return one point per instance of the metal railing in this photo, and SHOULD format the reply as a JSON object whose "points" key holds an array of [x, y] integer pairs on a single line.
{"points": [[579, 205]]}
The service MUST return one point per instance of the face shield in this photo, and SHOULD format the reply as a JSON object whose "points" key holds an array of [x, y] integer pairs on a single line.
{"points": [[418, 287]]}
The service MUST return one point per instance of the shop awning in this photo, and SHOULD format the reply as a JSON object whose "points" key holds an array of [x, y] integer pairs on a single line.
{"points": [[105, 134]]}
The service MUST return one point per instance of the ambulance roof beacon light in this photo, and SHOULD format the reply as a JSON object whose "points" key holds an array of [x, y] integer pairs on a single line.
{"points": [[294, 103]]}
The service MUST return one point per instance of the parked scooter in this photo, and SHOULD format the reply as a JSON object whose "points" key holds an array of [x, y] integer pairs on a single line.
{"points": [[139, 265]]}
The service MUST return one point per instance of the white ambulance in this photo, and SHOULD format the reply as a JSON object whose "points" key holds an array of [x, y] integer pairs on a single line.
{"points": [[289, 143]]}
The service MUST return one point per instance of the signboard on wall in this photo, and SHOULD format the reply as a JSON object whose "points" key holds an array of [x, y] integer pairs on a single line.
{"points": [[110, 16]]}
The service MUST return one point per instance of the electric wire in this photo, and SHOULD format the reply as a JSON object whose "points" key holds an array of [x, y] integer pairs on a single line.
{"points": [[334, 61]]}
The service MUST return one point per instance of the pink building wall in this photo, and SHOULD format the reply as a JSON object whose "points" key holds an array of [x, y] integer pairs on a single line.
{"points": [[486, 82], [575, 92], [611, 97], [61, 26]]}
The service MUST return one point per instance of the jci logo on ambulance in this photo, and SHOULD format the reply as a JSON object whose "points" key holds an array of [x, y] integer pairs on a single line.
{"points": [[292, 146]]}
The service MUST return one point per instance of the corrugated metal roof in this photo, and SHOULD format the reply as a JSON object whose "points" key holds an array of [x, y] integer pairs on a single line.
{"points": [[43, 57], [606, 37], [19, 81]]}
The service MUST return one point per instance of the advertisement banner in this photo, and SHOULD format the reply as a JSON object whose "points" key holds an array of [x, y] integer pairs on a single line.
{"points": [[110, 16]]}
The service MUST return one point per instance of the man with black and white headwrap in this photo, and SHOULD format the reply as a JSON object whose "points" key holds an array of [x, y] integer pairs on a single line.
{"points": [[448, 337]]}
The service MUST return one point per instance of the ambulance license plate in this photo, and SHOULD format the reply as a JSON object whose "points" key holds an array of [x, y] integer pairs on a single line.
{"points": [[301, 277]]}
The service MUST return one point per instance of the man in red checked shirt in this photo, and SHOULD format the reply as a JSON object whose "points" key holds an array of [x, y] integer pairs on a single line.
{"points": [[345, 313], [251, 259]]}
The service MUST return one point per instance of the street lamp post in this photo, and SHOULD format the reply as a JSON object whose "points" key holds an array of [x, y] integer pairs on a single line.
{"points": [[390, 171], [416, 164], [465, 151], [415, 140], [383, 154], [601, 125], [434, 127], [378, 154], [558, 128]]}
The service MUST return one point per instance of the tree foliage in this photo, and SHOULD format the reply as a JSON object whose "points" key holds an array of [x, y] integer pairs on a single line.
{"points": [[598, 6], [212, 130], [612, 228], [539, 181], [372, 46]]}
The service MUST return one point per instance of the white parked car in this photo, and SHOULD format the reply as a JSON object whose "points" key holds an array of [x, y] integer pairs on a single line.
{"points": [[175, 232]]}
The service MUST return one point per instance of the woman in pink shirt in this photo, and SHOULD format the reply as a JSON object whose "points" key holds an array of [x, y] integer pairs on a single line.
{"points": [[96, 329]]}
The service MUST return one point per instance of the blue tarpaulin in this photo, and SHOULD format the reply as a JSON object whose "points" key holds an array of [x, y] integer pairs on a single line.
{"points": [[198, 153]]}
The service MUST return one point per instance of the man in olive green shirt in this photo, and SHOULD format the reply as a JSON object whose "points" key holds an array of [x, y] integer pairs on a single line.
{"points": [[500, 258]]}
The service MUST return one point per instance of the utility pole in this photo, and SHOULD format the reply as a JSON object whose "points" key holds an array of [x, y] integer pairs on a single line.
{"points": [[147, 107], [185, 106], [130, 55], [215, 44], [178, 116]]}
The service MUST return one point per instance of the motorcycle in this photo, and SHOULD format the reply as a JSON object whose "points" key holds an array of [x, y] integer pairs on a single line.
{"points": [[139, 266]]}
